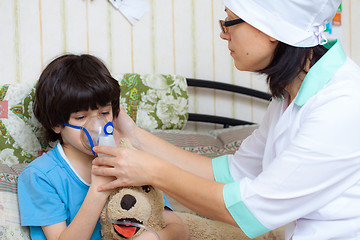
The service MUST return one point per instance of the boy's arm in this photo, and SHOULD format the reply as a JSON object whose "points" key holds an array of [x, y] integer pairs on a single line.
{"points": [[84, 223], [175, 228]]}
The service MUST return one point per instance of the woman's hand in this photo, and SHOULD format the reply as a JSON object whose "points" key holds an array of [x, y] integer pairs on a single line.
{"points": [[125, 127], [129, 167]]}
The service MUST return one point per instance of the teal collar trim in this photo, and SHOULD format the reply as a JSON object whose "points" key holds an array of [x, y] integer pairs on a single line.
{"points": [[321, 73]]}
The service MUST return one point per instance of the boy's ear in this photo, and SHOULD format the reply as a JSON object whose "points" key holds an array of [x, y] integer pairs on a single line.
{"points": [[57, 129]]}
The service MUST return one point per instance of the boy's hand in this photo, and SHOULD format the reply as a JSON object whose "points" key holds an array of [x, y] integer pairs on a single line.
{"points": [[97, 181], [175, 229], [147, 235]]}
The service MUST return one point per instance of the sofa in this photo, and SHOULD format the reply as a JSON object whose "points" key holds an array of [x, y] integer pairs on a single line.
{"points": [[146, 98], [212, 143]]}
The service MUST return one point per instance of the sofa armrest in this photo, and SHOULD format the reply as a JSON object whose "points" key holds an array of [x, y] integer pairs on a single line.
{"points": [[212, 143], [10, 227]]}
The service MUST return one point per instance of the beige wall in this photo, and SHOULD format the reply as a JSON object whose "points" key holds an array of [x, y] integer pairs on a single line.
{"points": [[175, 37]]}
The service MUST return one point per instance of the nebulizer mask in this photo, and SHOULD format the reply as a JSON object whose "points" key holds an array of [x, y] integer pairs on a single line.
{"points": [[97, 130]]}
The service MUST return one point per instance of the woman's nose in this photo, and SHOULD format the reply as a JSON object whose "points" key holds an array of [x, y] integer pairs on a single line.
{"points": [[225, 36]]}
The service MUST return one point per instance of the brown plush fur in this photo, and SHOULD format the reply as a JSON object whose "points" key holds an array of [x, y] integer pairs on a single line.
{"points": [[147, 208]]}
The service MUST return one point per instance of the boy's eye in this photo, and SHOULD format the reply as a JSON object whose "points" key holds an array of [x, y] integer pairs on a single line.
{"points": [[104, 113], [79, 118]]}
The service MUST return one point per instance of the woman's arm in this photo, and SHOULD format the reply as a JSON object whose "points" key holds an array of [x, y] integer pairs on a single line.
{"points": [[188, 161], [196, 193], [147, 142], [131, 167], [156, 163]]}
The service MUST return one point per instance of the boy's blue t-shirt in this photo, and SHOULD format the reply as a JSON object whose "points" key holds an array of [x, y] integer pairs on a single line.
{"points": [[51, 192]]}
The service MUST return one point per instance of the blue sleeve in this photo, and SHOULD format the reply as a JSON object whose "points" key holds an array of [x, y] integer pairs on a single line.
{"points": [[166, 203], [39, 202], [36, 233]]}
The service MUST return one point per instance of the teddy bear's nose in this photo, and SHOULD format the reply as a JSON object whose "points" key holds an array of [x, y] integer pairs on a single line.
{"points": [[127, 202]]}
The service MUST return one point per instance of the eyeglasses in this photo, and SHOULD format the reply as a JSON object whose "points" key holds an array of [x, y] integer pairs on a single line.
{"points": [[225, 24]]}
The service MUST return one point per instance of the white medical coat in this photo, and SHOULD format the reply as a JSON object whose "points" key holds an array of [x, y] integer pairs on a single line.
{"points": [[303, 163]]}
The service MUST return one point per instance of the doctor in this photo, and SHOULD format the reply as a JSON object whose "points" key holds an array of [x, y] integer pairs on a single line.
{"points": [[303, 163]]}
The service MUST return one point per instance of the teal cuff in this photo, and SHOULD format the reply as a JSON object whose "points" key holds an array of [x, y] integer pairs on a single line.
{"points": [[241, 214], [221, 169]]}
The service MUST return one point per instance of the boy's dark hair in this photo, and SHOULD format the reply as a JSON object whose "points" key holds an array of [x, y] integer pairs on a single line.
{"points": [[287, 63], [73, 83]]}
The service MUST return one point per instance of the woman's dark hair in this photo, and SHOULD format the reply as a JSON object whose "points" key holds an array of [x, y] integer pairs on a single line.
{"points": [[287, 63], [73, 83]]}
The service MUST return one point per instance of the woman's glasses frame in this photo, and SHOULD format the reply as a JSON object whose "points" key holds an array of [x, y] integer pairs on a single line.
{"points": [[225, 24]]}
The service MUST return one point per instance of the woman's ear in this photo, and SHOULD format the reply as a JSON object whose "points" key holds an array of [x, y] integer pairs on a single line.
{"points": [[273, 40]]}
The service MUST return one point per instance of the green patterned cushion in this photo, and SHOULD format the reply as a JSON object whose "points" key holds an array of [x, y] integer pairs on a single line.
{"points": [[155, 101], [21, 135]]}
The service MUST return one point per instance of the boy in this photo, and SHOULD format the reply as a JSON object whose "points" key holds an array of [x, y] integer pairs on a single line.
{"points": [[58, 195]]}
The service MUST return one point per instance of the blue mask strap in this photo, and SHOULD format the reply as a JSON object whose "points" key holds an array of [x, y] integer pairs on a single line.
{"points": [[87, 135]]}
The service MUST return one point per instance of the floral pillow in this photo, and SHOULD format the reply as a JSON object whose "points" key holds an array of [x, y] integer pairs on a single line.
{"points": [[155, 101], [21, 137]]}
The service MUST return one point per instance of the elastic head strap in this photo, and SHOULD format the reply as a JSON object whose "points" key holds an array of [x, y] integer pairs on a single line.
{"points": [[87, 135]]}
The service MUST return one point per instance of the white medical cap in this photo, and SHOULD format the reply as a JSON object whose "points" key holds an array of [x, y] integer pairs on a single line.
{"points": [[299, 23]]}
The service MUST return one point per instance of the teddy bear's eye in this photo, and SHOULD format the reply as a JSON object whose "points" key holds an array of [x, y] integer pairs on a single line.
{"points": [[146, 188]]}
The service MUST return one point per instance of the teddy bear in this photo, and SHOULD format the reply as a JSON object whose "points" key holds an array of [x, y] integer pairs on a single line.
{"points": [[145, 204], [142, 205]]}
